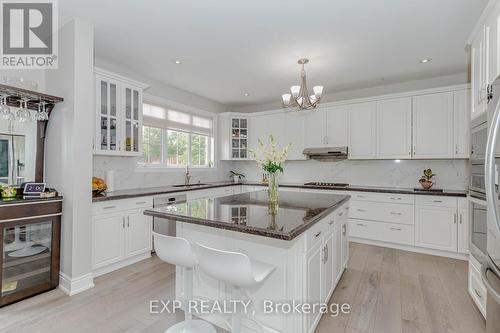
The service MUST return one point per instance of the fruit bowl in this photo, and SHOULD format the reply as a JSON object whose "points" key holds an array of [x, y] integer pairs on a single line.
{"points": [[98, 186]]}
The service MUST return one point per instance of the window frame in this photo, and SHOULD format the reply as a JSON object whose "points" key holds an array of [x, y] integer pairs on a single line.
{"points": [[211, 142]]}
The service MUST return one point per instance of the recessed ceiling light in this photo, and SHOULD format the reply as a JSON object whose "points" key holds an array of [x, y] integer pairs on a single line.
{"points": [[178, 62], [426, 60], [246, 94]]}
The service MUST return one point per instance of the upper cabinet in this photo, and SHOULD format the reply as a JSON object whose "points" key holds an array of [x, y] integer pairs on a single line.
{"points": [[461, 123], [362, 130], [118, 125], [295, 133], [261, 126], [394, 128], [433, 126], [337, 126], [233, 137], [315, 123]]}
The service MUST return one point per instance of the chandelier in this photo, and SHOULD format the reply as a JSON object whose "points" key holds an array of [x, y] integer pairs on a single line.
{"points": [[299, 96]]}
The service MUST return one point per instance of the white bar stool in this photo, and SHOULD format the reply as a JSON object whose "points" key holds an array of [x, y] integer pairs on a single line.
{"points": [[235, 269], [178, 251]]}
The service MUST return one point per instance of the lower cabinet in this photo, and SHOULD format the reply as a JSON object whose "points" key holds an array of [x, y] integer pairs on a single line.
{"points": [[436, 227], [315, 276], [463, 230], [118, 237]]}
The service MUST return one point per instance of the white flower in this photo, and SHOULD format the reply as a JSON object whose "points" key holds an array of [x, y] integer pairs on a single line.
{"points": [[270, 153]]}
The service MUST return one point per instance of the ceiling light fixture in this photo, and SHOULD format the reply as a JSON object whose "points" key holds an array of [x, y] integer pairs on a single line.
{"points": [[426, 60], [299, 96], [178, 62], [246, 94]]}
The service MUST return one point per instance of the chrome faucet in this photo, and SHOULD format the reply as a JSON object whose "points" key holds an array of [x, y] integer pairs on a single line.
{"points": [[187, 177]]}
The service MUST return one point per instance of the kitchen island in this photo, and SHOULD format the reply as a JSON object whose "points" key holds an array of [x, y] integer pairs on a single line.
{"points": [[304, 237]]}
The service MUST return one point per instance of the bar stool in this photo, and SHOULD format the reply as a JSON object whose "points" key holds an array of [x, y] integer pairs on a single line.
{"points": [[235, 269], [178, 251]]}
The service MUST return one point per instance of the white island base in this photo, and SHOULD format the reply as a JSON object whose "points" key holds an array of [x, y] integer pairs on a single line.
{"points": [[307, 270]]}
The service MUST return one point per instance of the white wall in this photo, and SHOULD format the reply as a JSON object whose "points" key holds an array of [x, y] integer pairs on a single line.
{"points": [[450, 174], [68, 159], [127, 176]]}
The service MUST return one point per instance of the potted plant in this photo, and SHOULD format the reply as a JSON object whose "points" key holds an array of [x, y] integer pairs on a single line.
{"points": [[237, 177], [271, 160], [426, 179]]}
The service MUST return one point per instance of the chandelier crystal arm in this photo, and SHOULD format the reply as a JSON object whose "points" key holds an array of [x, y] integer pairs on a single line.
{"points": [[302, 99]]}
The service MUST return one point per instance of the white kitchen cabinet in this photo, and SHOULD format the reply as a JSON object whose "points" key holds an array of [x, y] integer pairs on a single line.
{"points": [[336, 252], [362, 130], [337, 126], [345, 243], [314, 283], [138, 233], [432, 126], [107, 240], [118, 114], [491, 48], [233, 130], [478, 105], [261, 126], [329, 264], [463, 230], [394, 128], [295, 133], [436, 227], [461, 123], [315, 123]]}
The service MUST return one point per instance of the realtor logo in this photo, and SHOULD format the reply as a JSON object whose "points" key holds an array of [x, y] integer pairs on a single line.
{"points": [[28, 37]]}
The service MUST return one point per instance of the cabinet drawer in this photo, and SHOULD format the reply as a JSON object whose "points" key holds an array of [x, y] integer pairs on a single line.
{"points": [[380, 231], [434, 200], [113, 206], [477, 289], [384, 212], [316, 233], [383, 197]]}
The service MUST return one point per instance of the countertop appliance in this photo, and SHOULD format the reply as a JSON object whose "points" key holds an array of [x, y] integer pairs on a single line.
{"points": [[162, 226], [490, 271], [326, 154], [323, 184]]}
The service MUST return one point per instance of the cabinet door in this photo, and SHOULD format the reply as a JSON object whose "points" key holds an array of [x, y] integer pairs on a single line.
{"points": [[345, 245], [138, 233], [295, 133], [337, 252], [132, 120], [436, 227], [329, 265], [463, 230], [433, 125], [108, 240], [362, 130], [477, 73], [238, 138], [461, 122], [316, 129], [491, 48], [314, 280], [263, 126], [394, 128], [337, 121], [107, 136]]}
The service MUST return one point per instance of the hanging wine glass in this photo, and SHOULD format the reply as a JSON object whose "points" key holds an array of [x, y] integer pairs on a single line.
{"points": [[45, 113], [38, 115], [5, 112], [23, 114]]}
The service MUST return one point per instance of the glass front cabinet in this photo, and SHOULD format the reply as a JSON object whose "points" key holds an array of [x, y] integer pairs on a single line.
{"points": [[118, 115], [30, 250], [233, 137]]}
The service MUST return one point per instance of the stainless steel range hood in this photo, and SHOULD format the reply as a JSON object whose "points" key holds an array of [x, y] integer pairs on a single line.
{"points": [[326, 154]]}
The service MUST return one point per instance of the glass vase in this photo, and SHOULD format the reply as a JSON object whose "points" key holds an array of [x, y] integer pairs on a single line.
{"points": [[272, 190]]}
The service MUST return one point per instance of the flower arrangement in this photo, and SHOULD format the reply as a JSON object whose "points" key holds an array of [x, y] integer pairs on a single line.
{"points": [[271, 159]]}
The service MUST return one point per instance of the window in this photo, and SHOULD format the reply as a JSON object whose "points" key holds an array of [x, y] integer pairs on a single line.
{"points": [[175, 139]]}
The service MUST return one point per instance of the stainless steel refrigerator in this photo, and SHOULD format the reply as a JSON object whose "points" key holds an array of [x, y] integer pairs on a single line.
{"points": [[490, 271]]}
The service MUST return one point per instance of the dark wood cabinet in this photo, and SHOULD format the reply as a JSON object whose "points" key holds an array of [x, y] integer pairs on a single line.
{"points": [[30, 234]]}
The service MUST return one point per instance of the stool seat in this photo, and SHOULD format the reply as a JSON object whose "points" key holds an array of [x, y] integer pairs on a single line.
{"points": [[197, 326], [260, 270]]}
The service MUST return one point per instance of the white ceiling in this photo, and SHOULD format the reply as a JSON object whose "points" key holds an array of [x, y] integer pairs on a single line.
{"points": [[230, 47]]}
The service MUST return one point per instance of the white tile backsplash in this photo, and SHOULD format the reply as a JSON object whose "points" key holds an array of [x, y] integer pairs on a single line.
{"points": [[450, 174]]}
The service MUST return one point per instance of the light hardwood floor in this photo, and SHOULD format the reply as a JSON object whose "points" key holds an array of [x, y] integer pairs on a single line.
{"points": [[389, 291]]}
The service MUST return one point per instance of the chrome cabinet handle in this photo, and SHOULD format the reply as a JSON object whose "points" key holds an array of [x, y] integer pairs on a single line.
{"points": [[394, 213], [360, 196], [141, 203], [109, 207], [326, 253], [341, 213], [317, 234], [392, 198], [361, 210], [331, 222], [361, 225], [460, 218], [128, 221], [344, 229], [455, 218], [123, 222], [478, 293], [396, 229], [437, 200]]}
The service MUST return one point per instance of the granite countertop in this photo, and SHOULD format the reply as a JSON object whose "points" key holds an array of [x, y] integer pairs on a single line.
{"points": [[133, 193], [19, 199], [249, 212]]}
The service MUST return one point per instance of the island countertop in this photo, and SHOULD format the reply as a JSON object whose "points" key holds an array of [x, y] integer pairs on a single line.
{"points": [[250, 212]]}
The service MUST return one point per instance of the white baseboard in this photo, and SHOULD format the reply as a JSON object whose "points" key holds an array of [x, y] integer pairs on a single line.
{"points": [[454, 255], [120, 264], [74, 286]]}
